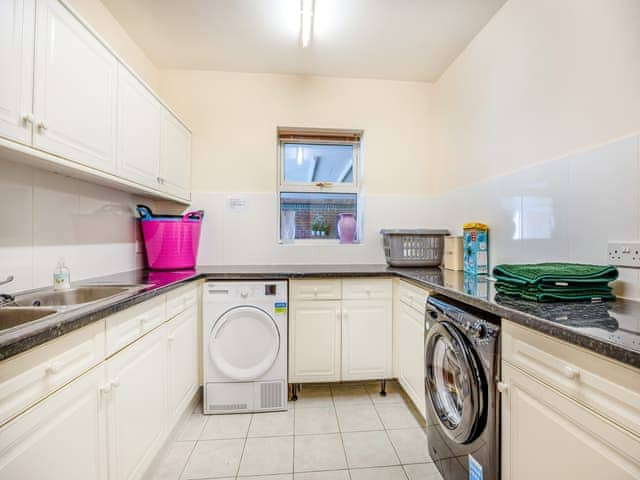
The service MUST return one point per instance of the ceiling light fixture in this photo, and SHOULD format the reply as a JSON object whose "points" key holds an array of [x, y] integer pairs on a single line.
{"points": [[306, 22]]}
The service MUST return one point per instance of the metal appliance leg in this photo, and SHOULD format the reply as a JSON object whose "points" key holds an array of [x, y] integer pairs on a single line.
{"points": [[294, 392], [383, 388]]}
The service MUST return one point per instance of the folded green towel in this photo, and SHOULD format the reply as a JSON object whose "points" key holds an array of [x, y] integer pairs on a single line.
{"points": [[558, 274], [539, 293]]}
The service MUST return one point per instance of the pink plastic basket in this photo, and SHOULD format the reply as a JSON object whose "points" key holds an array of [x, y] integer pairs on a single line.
{"points": [[171, 241]]}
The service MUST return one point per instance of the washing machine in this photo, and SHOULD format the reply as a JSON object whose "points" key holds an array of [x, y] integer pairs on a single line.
{"points": [[462, 365], [244, 346]]}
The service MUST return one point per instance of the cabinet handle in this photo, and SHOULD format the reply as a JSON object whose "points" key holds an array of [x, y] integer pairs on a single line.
{"points": [[41, 126], [106, 388], [338, 314], [115, 383], [28, 118], [570, 372], [345, 314], [502, 387], [171, 337], [53, 368], [315, 291]]}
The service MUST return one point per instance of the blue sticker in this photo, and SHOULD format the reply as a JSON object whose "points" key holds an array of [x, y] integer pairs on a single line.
{"points": [[475, 469], [281, 307]]}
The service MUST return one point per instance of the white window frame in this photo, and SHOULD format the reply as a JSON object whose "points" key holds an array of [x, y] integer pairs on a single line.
{"points": [[320, 187]]}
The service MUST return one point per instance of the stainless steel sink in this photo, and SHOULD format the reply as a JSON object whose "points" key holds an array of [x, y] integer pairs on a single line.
{"points": [[14, 316], [73, 296]]}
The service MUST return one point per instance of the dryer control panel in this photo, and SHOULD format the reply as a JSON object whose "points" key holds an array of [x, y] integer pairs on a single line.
{"points": [[245, 291]]}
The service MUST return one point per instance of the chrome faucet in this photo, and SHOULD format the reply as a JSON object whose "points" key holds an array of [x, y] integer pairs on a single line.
{"points": [[5, 297]]}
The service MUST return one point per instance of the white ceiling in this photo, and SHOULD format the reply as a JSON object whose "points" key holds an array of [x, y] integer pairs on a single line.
{"points": [[394, 39]]}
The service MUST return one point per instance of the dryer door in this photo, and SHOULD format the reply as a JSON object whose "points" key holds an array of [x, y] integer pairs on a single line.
{"points": [[244, 343], [456, 388]]}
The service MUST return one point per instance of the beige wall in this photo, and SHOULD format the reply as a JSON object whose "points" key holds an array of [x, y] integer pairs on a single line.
{"points": [[100, 19], [234, 117], [543, 79]]}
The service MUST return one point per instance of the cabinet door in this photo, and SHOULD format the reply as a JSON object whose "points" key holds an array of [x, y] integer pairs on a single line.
{"points": [[366, 339], [75, 90], [175, 160], [17, 24], [61, 437], [183, 361], [547, 435], [137, 413], [138, 137], [314, 341], [411, 355]]}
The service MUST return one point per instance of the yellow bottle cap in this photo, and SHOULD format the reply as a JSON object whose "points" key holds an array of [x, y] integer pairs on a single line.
{"points": [[476, 226]]}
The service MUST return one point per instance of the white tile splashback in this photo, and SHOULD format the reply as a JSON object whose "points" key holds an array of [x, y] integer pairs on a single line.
{"points": [[564, 209], [47, 216]]}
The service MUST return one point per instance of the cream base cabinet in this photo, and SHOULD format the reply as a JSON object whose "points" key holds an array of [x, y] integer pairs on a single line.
{"points": [[410, 344], [74, 90], [183, 361], [17, 24], [63, 437], [137, 404], [547, 435], [314, 341], [366, 339]]}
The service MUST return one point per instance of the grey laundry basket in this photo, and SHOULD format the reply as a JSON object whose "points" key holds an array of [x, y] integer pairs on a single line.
{"points": [[413, 247]]}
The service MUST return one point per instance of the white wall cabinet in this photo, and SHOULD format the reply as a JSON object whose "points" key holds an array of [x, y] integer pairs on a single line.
{"points": [[64, 92], [366, 339], [183, 361], [175, 159], [411, 354], [17, 23], [314, 341], [139, 131], [346, 338], [62, 437], [75, 90]]}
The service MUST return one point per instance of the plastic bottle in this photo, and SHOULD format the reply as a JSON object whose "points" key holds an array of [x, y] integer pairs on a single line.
{"points": [[61, 276]]}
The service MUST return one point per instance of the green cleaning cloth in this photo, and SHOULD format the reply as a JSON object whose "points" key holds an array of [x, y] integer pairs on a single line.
{"points": [[540, 293], [558, 274]]}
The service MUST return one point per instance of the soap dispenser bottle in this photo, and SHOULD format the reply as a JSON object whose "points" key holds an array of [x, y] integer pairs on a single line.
{"points": [[61, 276]]}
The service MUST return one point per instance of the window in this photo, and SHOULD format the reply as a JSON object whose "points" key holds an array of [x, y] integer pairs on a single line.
{"points": [[318, 182]]}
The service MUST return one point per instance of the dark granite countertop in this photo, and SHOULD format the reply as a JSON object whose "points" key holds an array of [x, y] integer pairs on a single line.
{"points": [[611, 329]]}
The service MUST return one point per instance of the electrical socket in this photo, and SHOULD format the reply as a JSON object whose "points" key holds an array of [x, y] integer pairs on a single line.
{"points": [[624, 254]]}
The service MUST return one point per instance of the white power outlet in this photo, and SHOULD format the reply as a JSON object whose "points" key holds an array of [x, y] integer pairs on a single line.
{"points": [[624, 254]]}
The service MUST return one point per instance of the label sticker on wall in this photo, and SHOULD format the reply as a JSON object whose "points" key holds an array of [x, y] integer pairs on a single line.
{"points": [[281, 307], [475, 469]]}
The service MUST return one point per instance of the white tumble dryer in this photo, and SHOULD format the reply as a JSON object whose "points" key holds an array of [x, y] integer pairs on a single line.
{"points": [[244, 346]]}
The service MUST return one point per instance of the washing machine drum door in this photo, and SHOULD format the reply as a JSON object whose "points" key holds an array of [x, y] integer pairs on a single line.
{"points": [[244, 343], [456, 387]]}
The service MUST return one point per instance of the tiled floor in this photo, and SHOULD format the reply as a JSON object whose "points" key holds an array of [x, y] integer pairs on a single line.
{"points": [[333, 432]]}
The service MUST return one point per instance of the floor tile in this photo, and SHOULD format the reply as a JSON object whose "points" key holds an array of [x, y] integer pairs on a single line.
{"points": [[226, 426], [214, 459], [192, 427], [315, 421], [380, 473], [422, 471], [174, 461], [369, 449], [358, 418], [394, 393], [350, 394], [329, 475], [288, 476], [319, 452], [264, 456], [314, 397], [411, 445], [396, 416], [271, 424]]}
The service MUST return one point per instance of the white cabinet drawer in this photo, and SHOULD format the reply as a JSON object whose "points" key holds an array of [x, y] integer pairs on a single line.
{"points": [[27, 378], [181, 299], [127, 326], [609, 388], [367, 288], [317, 289], [411, 295]]}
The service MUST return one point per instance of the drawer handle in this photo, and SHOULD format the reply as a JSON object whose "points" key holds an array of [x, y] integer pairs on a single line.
{"points": [[338, 314], [115, 383], [106, 388], [171, 337], [315, 291], [502, 387], [570, 372], [53, 368]]}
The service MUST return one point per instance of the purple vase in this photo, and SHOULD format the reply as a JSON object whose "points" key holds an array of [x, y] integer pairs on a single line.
{"points": [[347, 227]]}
